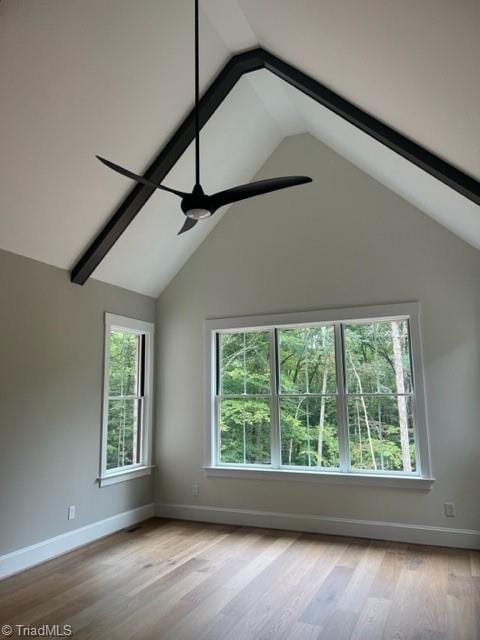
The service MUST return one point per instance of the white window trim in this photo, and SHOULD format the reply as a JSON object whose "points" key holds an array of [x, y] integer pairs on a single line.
{"points": [[422, 479], [113, 476]]}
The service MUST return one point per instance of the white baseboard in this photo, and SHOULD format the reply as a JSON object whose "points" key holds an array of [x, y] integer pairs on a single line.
{"points": [[47, 549], [394, 531]]}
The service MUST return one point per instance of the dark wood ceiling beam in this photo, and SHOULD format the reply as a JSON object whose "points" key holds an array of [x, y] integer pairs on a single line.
{"points": [[239, 65], [415, 153], [166, 159]]}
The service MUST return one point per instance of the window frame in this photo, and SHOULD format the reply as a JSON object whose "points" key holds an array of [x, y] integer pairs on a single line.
{"points": [[144, 466], [421, 478]]}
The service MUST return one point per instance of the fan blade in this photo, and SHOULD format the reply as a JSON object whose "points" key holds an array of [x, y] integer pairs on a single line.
{"points": [[187, 225], [256, 189], [133, 176]]}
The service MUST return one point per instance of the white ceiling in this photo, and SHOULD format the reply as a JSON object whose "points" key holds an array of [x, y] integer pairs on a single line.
{"points": [[234, 145], [413, 64], [80, 77]]}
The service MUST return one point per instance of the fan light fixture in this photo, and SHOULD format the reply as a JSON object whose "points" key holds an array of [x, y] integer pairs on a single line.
{"points": [[198, 214], [198, 205]]}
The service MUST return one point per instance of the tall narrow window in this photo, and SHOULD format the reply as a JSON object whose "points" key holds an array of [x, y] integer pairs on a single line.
{"points": [[127, 398], [337, 395], [380, 396], [308, 397], [244, 398]]}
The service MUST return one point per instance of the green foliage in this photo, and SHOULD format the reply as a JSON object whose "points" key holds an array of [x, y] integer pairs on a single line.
{"points": [[374, 421], [245, 363], [369, 357], [245, 426], [384, 424], [307, 360], [123, 414], [309, 429], [307, 440], [309, 424], [124, 347]]}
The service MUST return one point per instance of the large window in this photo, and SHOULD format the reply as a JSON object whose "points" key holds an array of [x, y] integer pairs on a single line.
{"points": [[329, 395], [127, 399]]}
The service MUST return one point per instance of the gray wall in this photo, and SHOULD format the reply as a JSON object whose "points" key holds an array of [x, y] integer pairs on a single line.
{"points": [[51, 374], [344, 240]]}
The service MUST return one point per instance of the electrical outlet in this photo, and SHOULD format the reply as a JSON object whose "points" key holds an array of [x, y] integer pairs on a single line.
{"points": [[195, 490], [71, 512], [449, 508]]}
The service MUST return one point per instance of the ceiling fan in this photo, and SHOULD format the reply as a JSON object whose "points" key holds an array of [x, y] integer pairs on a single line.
{"points": [[197, 205]]}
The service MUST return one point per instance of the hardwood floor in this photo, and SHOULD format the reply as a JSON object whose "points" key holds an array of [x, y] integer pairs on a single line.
{"points": [[172, 580]]}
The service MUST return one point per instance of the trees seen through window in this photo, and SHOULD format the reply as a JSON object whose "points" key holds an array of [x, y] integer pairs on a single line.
{"points": [[308, 389]]}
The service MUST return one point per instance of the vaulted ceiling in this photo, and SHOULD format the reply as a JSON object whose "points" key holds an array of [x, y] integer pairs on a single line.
{"points": [[113, 77]]}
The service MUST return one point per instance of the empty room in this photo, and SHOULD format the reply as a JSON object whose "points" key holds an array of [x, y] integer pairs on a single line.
{"points": [[240, 319]]}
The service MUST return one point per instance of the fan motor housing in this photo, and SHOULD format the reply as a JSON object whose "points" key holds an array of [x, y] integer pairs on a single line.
{"points": [[198, 205]]}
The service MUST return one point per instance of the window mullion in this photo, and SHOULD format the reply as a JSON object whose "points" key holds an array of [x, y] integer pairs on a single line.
{"points": [[140, 441], [341, 400], [274, 404], [215, 400], [215, 450]]}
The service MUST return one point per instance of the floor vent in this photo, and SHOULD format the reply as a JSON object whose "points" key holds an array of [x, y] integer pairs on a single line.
{"points": [[133, 528]]}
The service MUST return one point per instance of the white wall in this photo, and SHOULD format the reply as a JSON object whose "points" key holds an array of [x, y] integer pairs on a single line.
{"points": [[345, 240], [51, 374]]}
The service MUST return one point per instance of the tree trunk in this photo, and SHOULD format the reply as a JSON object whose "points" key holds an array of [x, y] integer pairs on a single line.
{"points": [[401, 399], [360, 444], [258, 444], [322, 414], [365, 412], [290, 447]]}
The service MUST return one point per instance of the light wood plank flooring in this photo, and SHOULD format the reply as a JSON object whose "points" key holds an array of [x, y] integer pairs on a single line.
{"points": [[173, 580]]}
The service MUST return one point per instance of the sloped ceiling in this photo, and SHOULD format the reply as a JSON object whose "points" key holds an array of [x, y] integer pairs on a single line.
{"points": [[411, 64], [113, 77]]}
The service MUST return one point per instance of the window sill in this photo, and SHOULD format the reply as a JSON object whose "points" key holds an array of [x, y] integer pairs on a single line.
{"points": [[326, 477], [122, 476]]}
